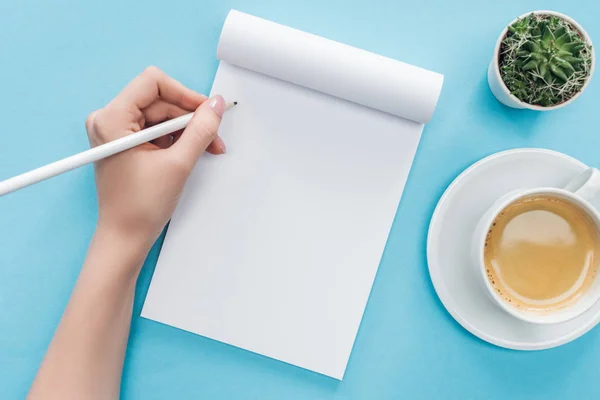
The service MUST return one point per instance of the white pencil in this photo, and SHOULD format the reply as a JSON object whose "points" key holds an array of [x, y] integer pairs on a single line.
{"points": [[96, 153]]}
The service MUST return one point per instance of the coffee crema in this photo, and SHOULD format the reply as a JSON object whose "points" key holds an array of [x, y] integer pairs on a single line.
{"points": [[541, 253]]}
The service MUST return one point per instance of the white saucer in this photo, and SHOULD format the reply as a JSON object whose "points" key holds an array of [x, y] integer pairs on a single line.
{"points": [[450, 231]]}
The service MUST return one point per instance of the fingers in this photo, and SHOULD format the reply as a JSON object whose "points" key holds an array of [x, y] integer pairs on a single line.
{"points": [[89, 121], [89, 127], [164, 142], [152, 84], [199, 133], [217, 146], [161, 110]]}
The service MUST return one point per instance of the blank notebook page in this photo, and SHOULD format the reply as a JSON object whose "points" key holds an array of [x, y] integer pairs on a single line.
{"points": [[274, 246]]}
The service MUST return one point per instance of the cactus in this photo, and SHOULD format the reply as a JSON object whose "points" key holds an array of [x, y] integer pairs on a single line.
{"points": [[544, 60]]}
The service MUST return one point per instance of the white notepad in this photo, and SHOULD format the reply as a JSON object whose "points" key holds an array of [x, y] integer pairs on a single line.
{"points": [[274, 246]]}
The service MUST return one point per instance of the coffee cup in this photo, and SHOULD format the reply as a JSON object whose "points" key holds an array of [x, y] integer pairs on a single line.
{"points": [[528, 259]]}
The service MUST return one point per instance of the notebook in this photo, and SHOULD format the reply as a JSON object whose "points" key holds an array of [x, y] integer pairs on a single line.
{"points": [[274, 246]]}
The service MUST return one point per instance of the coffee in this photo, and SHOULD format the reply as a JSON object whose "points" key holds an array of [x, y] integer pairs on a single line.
{"points": [[541, 253]]}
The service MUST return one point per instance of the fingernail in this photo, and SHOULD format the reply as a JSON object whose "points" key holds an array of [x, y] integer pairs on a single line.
{"points": [[217, 104]]}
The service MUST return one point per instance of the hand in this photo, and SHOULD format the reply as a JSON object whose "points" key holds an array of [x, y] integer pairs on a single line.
{"points": [[139, 189]]}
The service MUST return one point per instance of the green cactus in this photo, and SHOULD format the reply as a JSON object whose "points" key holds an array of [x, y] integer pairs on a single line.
{"points": [[544, 60]]}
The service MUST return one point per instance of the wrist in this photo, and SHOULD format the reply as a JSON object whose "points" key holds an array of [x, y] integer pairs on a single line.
{"points": [[123, 251], [138, 234]]}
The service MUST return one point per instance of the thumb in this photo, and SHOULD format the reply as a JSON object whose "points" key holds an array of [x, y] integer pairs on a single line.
{"points": [[200, 131]]}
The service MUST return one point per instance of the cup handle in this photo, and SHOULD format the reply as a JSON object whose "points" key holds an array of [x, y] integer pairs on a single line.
{"points": [[586, 185]]}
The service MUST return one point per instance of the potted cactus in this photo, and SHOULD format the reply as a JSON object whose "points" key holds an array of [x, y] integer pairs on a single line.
{"points": [[543, 60]]}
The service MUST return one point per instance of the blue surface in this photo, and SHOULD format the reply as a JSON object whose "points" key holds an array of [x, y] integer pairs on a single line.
{"points": [[60, 60]]}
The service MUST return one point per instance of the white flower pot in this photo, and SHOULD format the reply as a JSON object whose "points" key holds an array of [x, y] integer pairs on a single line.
{"points": [[500, 90]]}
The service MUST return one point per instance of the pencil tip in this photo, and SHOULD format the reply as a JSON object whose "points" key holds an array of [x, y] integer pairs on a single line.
{"points": [[235, 103]]}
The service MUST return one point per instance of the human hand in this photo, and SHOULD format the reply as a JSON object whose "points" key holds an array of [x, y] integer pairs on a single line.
{"points": [[139, 188]]}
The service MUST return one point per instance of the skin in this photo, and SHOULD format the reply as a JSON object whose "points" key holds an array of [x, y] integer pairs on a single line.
{"points": [[137, 194]]}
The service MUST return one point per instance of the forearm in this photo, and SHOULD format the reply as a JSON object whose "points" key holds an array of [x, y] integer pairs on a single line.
{"points": [[85, 358]]}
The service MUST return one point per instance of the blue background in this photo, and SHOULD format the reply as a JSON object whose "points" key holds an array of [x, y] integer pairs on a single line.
{"points": [[59, 60]]}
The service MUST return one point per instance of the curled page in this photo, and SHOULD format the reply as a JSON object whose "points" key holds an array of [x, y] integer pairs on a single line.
{"points": [[329, 67]]}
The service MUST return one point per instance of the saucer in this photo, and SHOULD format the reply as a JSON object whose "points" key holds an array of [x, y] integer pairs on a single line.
{"points": [[449, 238]]}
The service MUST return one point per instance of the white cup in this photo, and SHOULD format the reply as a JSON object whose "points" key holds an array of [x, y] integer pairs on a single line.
{"points": [[584, 192]]}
